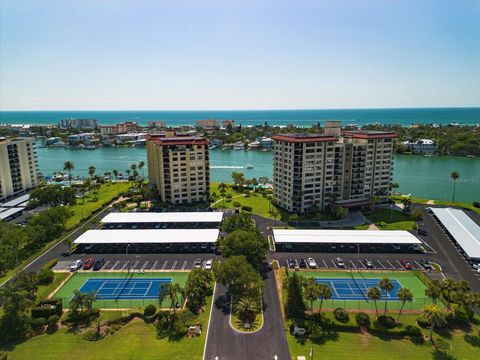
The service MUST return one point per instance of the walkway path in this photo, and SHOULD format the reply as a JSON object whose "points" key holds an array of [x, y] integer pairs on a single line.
{"points": [[223, 343]]}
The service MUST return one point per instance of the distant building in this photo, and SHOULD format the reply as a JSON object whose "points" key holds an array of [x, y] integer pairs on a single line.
{"points": [[156, 124], [18, 166], [226, 123], [133, 139], [54, 141], [179, 167], [78, 124], [347, 167], [254, 145], [266, 143], [121, 128], [83, 138], [422, 146], [208, 124], [214, 143]]}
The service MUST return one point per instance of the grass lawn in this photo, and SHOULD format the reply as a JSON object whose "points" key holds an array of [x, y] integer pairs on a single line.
{"points": [[83, 209], [77, 280], [398, 198], [354, 345], [390, 220], [44, 291], [135, 341], [405, 278]]}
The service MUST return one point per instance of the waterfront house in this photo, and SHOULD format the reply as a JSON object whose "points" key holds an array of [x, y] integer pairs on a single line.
{"points": [[254, 145], [83, 138], [422, 146], [267, 143]]}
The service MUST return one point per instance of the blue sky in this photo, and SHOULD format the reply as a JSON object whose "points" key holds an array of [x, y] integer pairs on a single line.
{"points": [[119, 55]]}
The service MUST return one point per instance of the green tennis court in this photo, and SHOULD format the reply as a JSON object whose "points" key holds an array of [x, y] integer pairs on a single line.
{"points": [[78, 280], [405, 279]]}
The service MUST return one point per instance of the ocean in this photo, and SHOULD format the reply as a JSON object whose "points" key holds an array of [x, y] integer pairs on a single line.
{"points": [[303, 118]]}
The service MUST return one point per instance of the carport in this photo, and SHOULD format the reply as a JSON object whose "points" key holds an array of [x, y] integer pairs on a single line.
{"points": [[343, 240], [462, 229]]}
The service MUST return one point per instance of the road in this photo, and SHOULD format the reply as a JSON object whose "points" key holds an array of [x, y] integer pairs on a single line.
{"points": [[224, 343]]}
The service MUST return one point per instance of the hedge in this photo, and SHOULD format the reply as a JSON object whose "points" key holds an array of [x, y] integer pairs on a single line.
{"points": [[247, 208], [149, 310], [341, 315], [50, 264]]}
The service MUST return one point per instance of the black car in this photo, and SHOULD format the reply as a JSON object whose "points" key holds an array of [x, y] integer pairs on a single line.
{"points": [[422, 232], [302, 263], [291, 263], [426, 264], [98, 264]]}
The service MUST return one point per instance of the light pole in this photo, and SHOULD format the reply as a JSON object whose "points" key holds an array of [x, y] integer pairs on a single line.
{"points": [[126, 249], [358, 246]]}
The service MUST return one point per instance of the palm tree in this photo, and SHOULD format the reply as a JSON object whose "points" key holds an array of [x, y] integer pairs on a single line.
{"points": [[374, 294], [434, 315], [68, 166], [311, 291], [91, 171], [404, 295], [325, 293], [173, 292], [386, 285], [115, 173], [78, 300], [223, 189], [247, 308], [449, 286], [454, 175], [13, 300], [141, 164], [434, 290]]}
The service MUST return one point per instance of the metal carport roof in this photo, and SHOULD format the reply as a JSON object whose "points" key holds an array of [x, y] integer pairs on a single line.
{"points": [[163, 217]]}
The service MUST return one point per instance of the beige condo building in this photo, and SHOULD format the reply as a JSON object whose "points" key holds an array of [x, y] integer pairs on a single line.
{"points": [[179, 167], [345, 167], [18, 166]]}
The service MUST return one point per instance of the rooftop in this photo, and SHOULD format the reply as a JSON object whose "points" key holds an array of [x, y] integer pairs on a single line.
{"points": [[163, 217]]}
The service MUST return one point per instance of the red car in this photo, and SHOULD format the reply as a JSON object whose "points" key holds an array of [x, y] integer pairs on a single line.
{"points": [[88, 264], [406, 264]]}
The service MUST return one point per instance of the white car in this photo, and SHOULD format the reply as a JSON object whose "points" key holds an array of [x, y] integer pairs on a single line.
{"points": [[208, 264], [340, 263], [476, 266], [77, 264], [312, 263], [478, 270]]}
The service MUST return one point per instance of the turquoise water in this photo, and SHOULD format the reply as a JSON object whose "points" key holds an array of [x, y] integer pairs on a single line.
{"points": [[273, 117], [427, 177]]}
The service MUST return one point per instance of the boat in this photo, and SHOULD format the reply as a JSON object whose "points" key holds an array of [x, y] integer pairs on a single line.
{"points": [[248, 166]]}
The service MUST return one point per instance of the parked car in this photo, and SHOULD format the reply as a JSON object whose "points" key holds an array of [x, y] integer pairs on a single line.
{"points": [[98, 264], [312, 263], [406, 264], [88, 264], [340, 263], [197, 264], [396, 247], [428, 210], [422, 232], [208, 264], [426, 264], [302, 263], [88, 248], [368, 264], [291, 263], [415, 247], [77, 264], [476, 266]]}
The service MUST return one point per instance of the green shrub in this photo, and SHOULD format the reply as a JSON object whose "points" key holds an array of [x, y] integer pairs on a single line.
{"points": [[53, 320], [341, 315], [362, 319], [460, 317], [422, 322], [45, 276], [149, 310], [386, 321], [476, 204], [50, 264], [247, 208], [42, 312], [412, 330], [91, 335], [236, 204], [38, 323]]}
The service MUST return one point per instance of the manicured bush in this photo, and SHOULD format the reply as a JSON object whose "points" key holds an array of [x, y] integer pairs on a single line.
{"points": [[91, 335], [362, 319], [341, 315], [53, 320], [38, 323], [149, 310], [460, 317], [247, 208], [45, 276], [422, 322], [44, 312], [386, 321], [476, 204], [50, 264], [236, 204], [412, 330]]}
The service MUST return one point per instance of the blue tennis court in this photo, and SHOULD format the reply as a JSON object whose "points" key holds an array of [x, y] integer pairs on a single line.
{"points": [[125, 289], [356, 289]]}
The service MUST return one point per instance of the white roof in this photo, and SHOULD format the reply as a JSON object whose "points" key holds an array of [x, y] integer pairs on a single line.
{"points": [[16, 201], [463, 229], [148, 236], [163, 217], [345, 236], [9, 212]]}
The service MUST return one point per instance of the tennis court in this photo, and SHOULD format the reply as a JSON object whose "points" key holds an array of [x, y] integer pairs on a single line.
{"points": [[124, 289], [356, 289]]}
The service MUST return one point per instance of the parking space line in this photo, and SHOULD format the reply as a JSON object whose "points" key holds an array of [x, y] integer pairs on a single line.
{"points": [[324, 263], [164, 264], [114, 265], [389, 263], [144, 265], [174, 264], [135, 264], [154, 265], [353, 264], [383, 266], [105, 267], [400, 264], [433, 251], [124, 265], [333, 262], [184, 264], [419, 266], [363, 266]]}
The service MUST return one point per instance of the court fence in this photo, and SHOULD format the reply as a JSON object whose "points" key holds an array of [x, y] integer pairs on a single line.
{"points": [[392, 305], [123, 303]]}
